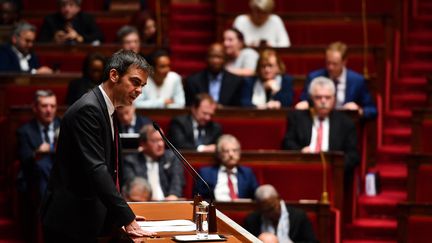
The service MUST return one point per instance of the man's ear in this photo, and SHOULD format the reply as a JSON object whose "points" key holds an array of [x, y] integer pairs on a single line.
{"points": [[113, 75]]}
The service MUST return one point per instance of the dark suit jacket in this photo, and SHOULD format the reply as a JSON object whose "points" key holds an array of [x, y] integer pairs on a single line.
{"points": [[182, 136], [246, 181], [9, 60], [284, 96], [170, 171], [230, 91], [139, 123], [82, 200], [342, 137], [300, 227], [356, 91], [77, 88], [29, 140], [83, 23]]}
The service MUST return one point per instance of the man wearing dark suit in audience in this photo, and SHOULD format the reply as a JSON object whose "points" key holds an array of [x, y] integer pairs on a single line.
{"points": [[196, 131], [275, 217], [130, 122], [351, 88], [83, 199], [227, 179], [224, 87], [36, 146], [18, 56], [322, 128], [160, 167], [70, 25]]}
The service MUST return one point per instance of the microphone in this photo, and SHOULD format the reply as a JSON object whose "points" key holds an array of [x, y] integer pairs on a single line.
{"points": [[189, 168]]}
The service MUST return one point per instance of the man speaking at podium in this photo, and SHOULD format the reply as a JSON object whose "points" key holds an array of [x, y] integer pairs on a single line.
{"points": [[83, 201]]}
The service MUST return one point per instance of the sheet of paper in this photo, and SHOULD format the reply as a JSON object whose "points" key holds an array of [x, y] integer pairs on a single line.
{"points": [[168, 225], [195, 238]]}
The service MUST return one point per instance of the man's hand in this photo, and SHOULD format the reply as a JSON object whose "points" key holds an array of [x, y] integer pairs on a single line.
{"points": [[134, 229], [306, 150], [44, 70], [353, 107], [274, 104], [302, 105], [207, 148], [44, 148], [60, 37], [171, 197]]}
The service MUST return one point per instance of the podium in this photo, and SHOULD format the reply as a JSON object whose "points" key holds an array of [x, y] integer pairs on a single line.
{"points": [[183, 210]]}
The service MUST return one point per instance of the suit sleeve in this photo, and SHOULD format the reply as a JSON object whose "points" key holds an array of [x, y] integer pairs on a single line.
{"points": [[88, 130], [285, 94], [26, 151], [290, 141], [46, 33], [304, 94], [190, 91], [177, 178], [367, 103], [177, 135], [301, 230], [247, 93], [199, 187], [352, 158], [90, 31]]}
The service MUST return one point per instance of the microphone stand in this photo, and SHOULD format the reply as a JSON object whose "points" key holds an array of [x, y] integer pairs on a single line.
{"points": [[189, 168], [324, 195]]}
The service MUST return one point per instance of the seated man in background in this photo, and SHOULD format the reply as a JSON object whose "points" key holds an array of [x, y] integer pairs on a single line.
{"points": [[227, 179], [36, 146], [197, 130], [275, 218], [18, 56], [137, 190], [159, 166], [322, 128], [70, 25], [351, 88], [130, 122], [92, 71], [9, 12], [223, 86], [129, 38]]}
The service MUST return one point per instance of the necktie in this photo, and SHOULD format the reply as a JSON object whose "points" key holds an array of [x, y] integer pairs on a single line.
{"points": [[116, 144], [46, 137], [232, 192], [319, 136], [200, 137]]}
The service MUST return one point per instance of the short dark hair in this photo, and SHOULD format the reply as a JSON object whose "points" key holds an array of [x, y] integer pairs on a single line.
{"points": [[42, 93], [199, 98], [144, 131], [125, 31], [77, 2], [23, 26], [122, 60], [157, 54], [89, 59], [238, 34]]}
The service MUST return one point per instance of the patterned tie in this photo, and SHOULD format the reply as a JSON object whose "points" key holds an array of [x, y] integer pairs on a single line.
{"points": [[319, 136], [200, 137], [46, 137], [116, 143], [232, 192]]}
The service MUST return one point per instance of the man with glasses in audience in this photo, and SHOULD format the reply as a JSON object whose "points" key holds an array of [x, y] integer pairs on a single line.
{"points": [[227, 179]]}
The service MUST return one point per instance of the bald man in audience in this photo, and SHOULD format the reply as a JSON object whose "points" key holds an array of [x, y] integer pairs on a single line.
{"points": [[137, 189], [223, 86], [130, 122], [276, 218]]}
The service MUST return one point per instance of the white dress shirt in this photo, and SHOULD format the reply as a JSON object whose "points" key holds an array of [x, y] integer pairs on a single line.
{"points": [[221, 190], [325, 134], [340, 89], [110, 107], [153, 178]]}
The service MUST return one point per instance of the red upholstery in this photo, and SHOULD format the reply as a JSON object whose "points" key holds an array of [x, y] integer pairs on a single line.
{"points": [[255, 133], [62, 61], [51, 5], [110, 26], [424, 182], [426, 142], [23, 95], [419, 228]]}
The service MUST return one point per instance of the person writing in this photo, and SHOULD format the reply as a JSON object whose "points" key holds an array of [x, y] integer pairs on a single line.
{"points": [[83, 200]]}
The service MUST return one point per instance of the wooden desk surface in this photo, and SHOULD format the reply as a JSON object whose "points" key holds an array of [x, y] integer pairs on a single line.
{"points": [[183, 210]]}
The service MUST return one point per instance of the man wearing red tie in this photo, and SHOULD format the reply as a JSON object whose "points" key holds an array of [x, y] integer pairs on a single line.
{"points": [[83, 201], [228, 180], [321, 128]]}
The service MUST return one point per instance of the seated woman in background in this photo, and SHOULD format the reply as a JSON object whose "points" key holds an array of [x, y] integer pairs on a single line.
{"points": [[240, 60], [165, 88], [147, 28], [271, 88], [261, 27], [92, 71]]}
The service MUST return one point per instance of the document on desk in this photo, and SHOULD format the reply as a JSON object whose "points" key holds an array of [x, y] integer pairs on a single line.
{"points": [[178, 225]]}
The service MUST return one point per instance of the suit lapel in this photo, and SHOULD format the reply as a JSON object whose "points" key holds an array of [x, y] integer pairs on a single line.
{"points": [[35, 135], [349, 87], [307, 128], [332, 131]]}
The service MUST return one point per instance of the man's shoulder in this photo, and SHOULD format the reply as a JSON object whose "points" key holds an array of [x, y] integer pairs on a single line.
{"points": [[342, 117], [181, 118], [317, 73], [27, 127], [245, 169], [133, 158], [196, 77], [353, 75]]}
